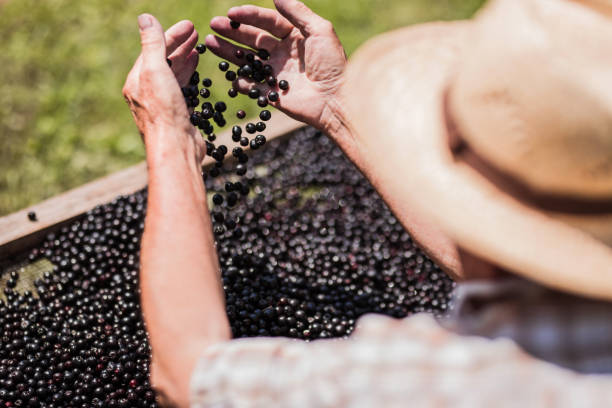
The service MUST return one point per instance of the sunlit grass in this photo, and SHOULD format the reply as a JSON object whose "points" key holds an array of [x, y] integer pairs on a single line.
{"points": [[63, 121]]}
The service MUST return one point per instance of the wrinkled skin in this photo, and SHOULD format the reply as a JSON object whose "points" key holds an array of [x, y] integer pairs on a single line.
{"points": [[304, 49]]}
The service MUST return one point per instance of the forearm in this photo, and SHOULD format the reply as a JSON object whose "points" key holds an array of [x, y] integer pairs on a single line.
{"points": [[182, 296], [364, 150]]}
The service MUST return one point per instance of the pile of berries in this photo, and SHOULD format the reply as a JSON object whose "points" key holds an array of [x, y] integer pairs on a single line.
{"points": [[311, 250]]}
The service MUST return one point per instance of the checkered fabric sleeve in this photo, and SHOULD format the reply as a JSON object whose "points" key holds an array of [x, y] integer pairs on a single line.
{"points": [[388, 363]]}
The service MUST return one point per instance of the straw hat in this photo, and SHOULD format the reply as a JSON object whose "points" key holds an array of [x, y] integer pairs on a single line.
{"points": [[503, 129]]}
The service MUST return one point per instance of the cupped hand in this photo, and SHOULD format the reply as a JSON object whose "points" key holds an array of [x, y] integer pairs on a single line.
{"points": [[153, 87], [304, 50]]}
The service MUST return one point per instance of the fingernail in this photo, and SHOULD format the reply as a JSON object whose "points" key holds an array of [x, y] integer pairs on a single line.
{"points": [[144, 21]]}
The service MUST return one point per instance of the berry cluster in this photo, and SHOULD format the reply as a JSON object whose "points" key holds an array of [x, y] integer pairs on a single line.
{"points": [[313, 249], [256, 71]]}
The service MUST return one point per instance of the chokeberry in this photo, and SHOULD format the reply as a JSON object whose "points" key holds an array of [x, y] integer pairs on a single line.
{"points": [[263, 54], [251, 128], [260, 126], [217, 199], [244, 141], [260, 140], [223, 65], [265, 115], [241, 114], [241, 169], [273, 96], [207, 82], [254, 93], [262, 101], [232, 93], [220, 107], [234, 24], [204, 93], [201, 48], [284, 85]]}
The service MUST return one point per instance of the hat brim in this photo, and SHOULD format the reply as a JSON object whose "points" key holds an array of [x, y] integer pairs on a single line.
{"points": [[406, 73]]}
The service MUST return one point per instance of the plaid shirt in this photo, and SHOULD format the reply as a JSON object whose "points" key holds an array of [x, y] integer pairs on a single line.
{"points": [[475, 358]]}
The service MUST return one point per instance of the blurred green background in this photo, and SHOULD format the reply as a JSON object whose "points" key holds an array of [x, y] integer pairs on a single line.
{"points": [[63, 121]]}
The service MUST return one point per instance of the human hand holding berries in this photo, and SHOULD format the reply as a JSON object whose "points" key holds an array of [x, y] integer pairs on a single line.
{"points": [[304, 51], [153, 86]]}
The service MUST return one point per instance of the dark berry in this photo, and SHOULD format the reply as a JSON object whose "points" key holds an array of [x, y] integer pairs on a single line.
{"points": [[265, 115], [217, 199], [251, 128], [262, 101], [260, 127], [254, 93], [204, 93], [246, 70], [271, 81], [254, 145], [230, 75], [223, 65], [236, 133], [234, 24], [244, 141], [194, 81], [241, 169], [273, 96], [220, 107], [217, 216], [207, 82], [241, 114], [263, 54], [232, 199], [201, 48], [237, 151], [260, 140], [232, 93], [284, 85], [239, 54]]}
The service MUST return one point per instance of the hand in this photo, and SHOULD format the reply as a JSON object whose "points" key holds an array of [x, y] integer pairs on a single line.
{"points": [[304, 49], [153, 88]]}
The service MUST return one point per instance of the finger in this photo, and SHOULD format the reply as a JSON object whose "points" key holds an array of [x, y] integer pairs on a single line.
{"points": [[247, 35], [266, 19], [301, 16], [182, 50], [178, 34], [226, 50], [152, 40], [185, 67]]}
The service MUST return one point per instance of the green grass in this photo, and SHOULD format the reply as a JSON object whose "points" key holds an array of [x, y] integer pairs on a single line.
{"points": [[63, 121]]}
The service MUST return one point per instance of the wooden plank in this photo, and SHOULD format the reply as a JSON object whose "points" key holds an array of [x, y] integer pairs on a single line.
{"points": [[18, 233]]}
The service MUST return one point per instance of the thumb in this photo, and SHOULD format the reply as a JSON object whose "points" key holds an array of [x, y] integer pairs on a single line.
{"points": [[152, 40]]}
